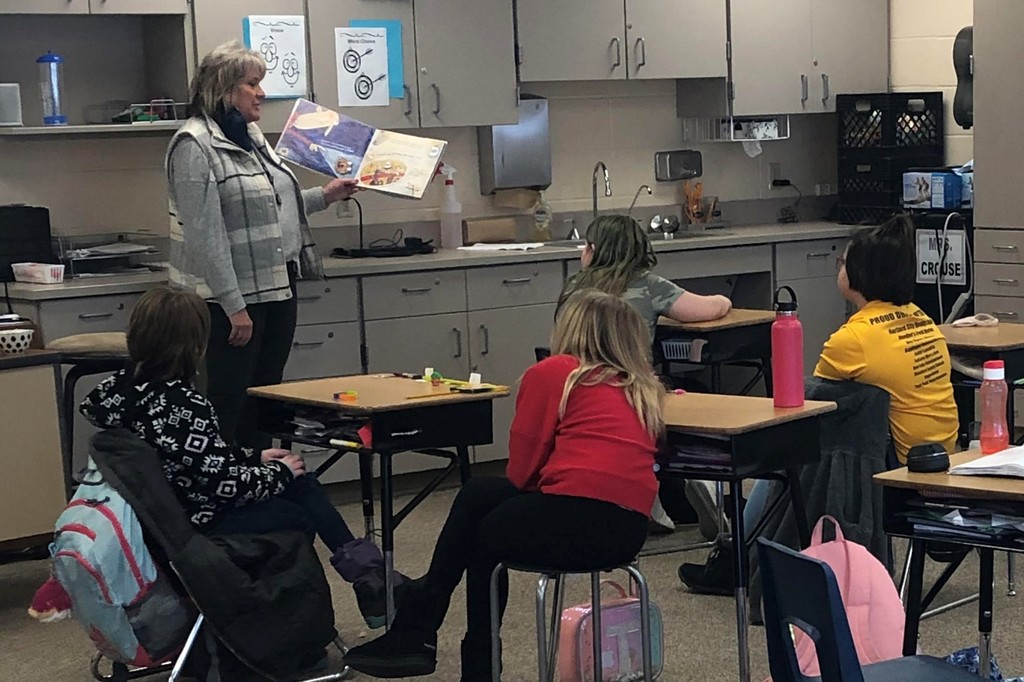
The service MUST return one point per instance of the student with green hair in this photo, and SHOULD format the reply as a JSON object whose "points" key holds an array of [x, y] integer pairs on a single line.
{"points": [[617, 259]]}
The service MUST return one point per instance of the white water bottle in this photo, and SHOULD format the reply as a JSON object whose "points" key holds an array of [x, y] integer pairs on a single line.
{"points": [[451, 212]]}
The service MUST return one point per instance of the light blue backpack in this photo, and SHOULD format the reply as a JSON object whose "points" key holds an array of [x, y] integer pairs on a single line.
{"points": [[119, 596]]}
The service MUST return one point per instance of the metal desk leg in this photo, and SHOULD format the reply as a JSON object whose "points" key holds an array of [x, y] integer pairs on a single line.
{"points": [[985, 580], [796, 496], [1011, 577], [387, 527], [716, 377], [366, 483], [739, 567], [768, 387], [915, 583], [464, 471]]}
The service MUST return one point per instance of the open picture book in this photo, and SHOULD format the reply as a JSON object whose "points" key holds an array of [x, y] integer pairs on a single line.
{"points": [[329, 143]]}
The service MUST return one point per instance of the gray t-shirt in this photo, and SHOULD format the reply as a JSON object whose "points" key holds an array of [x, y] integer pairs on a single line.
{"points": [[652, 296]]}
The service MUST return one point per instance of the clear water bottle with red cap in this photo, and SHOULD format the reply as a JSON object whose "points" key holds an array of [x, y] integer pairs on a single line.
{"points": [[787, 353], [995, 435]]}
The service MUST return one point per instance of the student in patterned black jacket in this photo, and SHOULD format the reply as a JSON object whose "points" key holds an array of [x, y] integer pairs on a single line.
{"points": [[224, 489]]}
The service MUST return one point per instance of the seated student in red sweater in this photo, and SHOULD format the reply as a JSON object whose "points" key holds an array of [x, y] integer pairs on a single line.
{"points": [[578, 494]]}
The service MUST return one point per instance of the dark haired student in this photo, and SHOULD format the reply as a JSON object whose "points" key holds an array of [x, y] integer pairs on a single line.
{"points": [[224, 489], [889, 343]]}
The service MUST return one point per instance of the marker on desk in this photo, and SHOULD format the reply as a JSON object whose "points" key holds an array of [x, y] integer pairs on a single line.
{"points": [[346, 396], [406, 375]]}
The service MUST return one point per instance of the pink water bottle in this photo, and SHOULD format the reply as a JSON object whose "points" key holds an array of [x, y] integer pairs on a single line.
{"points": [[787, 353], [995, 435]]}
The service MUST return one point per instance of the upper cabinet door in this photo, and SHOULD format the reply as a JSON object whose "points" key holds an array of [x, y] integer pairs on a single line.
{"points": [[465, 50], [44, 6], [771, 53], [572, 40], [675, 38], [218, 21], [139, 6], [850, 42], [324, 17]]}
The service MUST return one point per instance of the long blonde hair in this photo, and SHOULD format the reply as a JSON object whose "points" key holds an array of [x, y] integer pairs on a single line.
{"points": [[609, 338]]}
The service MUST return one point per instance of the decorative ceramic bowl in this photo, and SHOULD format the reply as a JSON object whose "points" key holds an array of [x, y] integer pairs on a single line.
{"points": [[15, 340]]}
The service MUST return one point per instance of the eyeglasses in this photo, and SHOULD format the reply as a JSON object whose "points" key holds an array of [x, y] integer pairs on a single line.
{"points": [[840, 263]]}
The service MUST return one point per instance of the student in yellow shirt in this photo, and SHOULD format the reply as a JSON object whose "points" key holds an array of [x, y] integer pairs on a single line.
{"points": [[889, 343]]}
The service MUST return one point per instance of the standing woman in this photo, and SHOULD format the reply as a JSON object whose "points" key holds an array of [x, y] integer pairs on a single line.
{"points": [[239, 233]]}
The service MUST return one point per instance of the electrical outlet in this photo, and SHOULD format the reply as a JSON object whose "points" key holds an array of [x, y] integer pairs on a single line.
{"points": [[826, 189], [774, 173], [343, 209]]}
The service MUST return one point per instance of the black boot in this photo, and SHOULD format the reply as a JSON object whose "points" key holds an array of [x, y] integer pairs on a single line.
{"points": [[397, 653], [476, 659], [715, 576]]}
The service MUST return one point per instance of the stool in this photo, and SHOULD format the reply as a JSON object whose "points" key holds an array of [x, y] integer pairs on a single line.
{"points": [[547, 642], [87, 354]]}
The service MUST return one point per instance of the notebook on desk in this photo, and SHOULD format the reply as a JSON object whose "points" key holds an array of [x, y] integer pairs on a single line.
{"points": [[1009, 462]]}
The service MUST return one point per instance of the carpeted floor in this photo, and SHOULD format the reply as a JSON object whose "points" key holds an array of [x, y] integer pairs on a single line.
{"points": [[700, 636]]}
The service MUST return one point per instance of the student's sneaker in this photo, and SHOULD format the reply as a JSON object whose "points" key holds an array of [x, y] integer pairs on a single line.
{"points": [[398, 653], [371, 598], [360, 562], [51, 602], [701, 496], [660, 523], [715, 576]]}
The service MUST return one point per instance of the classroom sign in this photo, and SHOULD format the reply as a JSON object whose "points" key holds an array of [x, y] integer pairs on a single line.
{"points": [[930, 249]]}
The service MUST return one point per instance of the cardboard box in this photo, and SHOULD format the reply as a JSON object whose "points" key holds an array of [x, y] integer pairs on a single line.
{"points": [[932, 189]]}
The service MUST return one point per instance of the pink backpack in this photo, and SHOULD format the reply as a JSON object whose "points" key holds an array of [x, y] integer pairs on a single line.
{"points": [[873, 606]]}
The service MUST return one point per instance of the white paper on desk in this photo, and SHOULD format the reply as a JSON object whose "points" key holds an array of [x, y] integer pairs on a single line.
{"points": [[1009, 462], [502, 247]]}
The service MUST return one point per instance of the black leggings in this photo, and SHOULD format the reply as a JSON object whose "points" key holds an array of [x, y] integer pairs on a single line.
{"points": [[492, 521], [302, 506]]}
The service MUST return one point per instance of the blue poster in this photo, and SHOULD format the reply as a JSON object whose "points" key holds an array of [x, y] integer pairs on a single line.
{"points": [[396, 67]]}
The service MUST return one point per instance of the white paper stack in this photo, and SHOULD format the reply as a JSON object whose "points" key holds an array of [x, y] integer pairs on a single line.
{"points": [[1009, 462]]}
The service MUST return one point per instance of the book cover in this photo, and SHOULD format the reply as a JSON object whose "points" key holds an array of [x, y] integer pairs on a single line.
{"points": [[332, 144]]}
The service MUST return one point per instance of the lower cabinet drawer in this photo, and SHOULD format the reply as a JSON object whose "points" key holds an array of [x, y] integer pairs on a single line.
{"points": [[64, 317], [1006, 308], [324, 350]]}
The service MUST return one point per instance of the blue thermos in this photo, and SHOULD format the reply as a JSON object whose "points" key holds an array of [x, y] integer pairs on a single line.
{"points": [[51, 89]]}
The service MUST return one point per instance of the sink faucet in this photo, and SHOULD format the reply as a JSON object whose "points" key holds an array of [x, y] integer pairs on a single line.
{"points": [[607, 183], [636, 196]]}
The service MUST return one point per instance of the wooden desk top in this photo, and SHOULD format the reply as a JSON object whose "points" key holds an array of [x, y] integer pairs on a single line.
{"points": [[375, 393], [737, 317], [1004, 336], [971, 487], [732, 414], [31, 357]]}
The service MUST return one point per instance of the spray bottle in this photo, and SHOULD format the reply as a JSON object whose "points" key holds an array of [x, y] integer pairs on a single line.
{"points": [[451, 211]]}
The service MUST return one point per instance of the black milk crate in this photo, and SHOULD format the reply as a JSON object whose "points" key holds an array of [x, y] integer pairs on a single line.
{"points": [[866, 215], [899, 122], [869, 179]]}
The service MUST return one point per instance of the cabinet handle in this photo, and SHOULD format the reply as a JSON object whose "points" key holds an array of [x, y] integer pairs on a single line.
{"points": [[803, 87], [487, 340], [458, 342], [437, 98], [641, 52], [618, 53], [824, 88], [1004, 313], [1004, 280], [408, 100], [1000, 247], [94, 316], [307, 344], [517, 280], [308, 299], [818, 255], [416, 290], [310, 451]]}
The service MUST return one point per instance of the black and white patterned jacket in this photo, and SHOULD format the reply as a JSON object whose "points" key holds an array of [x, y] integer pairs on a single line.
{"points": [[207, 474]]}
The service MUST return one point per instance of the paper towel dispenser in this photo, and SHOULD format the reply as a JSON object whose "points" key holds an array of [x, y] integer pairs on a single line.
{"points": [[519, 155]]}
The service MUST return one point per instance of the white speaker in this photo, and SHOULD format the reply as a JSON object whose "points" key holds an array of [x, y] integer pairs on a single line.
{"points": [[10, 104]]}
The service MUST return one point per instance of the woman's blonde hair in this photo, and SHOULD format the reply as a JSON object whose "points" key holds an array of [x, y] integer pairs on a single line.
{"points": [[218, 74], [609, 338]]}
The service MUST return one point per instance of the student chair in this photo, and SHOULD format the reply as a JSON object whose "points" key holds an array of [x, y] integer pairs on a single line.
{"points": [[802, 592], [547, 640]]}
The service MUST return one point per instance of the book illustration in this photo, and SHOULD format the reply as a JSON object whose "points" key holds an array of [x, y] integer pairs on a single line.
{"points": [[329, 143]]}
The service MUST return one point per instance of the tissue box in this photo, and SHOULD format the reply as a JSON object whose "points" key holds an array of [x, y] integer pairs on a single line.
{"points": [[932, 189]]}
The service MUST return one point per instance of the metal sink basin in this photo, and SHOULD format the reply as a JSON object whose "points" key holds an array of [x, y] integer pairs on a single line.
{"points": [[686, 234]]}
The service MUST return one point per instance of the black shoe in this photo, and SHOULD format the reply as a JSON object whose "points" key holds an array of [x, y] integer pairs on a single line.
{"points": [[398, 653], [712, 577]]}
